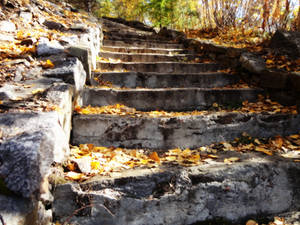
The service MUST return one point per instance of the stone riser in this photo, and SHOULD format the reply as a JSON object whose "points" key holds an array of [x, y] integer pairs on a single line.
{"points": [[160, 67], [183, 196], [183, 132], [139, 43], [143, 50], [157, 80], [177, 99], [148, 57]]}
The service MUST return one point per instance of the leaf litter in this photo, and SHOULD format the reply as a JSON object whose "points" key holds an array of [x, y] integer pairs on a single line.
{"points": [[105, 160], [264, 104]]}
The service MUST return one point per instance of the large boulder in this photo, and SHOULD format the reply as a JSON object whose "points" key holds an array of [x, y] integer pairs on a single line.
{"points": [[286, 43]]}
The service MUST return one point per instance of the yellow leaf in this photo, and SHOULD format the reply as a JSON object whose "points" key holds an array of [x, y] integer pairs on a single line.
{"points": [[269, 62], [295, 136], [261, 149], [231, 160], [154, 156], [171, 158], [95, 165], [74, 176], [212, 156], [47, 64], [36, 91]]}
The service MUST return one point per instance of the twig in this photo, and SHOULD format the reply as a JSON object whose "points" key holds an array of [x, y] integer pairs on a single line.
{"points": [[82, 208], [2, 220]]}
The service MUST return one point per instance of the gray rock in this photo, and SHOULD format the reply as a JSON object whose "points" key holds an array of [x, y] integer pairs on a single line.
{"points": [[10, 92], [33, 141], [26, 16], [17, 210], [84, 55], [252, 63], [92, 40], [71, 71], [46, 47], [286, 42], [7, 26], [54, 25], [182, 196]]}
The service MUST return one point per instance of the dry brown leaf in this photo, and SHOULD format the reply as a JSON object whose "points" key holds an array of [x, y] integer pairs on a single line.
{"points": [[263, 150]]}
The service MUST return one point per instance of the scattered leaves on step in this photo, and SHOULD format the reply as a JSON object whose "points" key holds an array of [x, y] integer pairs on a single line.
{"points": [[281, 62], [105, 160], [109, 60], [263, 105]]}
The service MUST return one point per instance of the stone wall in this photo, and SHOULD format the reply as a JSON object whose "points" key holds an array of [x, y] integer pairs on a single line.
{"points": [[32, 140]]}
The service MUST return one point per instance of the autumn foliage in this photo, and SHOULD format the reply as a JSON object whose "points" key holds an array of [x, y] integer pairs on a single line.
{"points": [[267, 15]]}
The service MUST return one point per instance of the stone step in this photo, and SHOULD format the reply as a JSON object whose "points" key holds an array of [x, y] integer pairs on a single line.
{"points": [[118, 22], [165, 80], [149, 57], [214, 192], [143, 50], [140, 43], [160, 67], [161, 133], [116, 34], [168, 99]]}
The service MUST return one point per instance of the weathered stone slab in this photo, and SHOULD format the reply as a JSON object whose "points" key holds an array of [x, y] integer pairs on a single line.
{"points": [[146, 57], [183, 196], [253, 63], [161, 80], [33, 141], [183, 132], [25, 90], [46, 47], [71, 71], [138, 50], [140, 43], [161, 67], [169, 99], [7, 26]]}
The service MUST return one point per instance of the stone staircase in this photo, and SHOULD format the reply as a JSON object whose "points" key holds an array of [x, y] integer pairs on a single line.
{"points": [[148, 72]]}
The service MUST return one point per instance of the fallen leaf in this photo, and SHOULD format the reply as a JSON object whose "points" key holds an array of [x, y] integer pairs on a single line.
{"points": [[154, 156], [39, 90], [251, 222], [231, 160], [95, 165], [47, 64], [261, 149], [74, 176]]}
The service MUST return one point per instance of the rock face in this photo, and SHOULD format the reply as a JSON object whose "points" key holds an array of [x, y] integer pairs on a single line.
{"points": [[184, 196]]}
